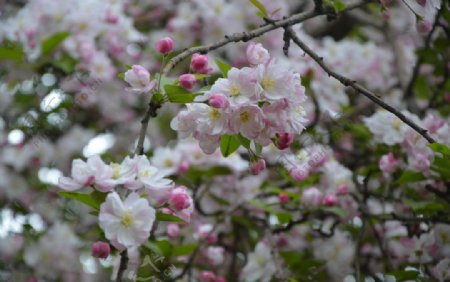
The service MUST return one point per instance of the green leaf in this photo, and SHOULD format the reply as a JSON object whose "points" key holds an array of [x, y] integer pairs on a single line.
{"points": [[121, 75], [223, 67], [409, 176], [178, 94], [283, 216], [426, 207], [86, 199], [440, 148], [184, 250], [244, 141], [229, 144], [338, 5], [162, 247], [168, 217], [404, 275], [65, 63], [260, 7], [15, 53], [50, 43]]}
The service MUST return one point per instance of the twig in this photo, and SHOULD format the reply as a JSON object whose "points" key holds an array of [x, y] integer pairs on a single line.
{"points": [[151, 112], [123, 265], [248, 35], [358, 88]]}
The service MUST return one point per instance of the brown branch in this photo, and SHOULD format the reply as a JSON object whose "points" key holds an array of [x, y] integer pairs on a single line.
{"points": [[123, 265], [357, 87], [151, 112], [248, 35]]}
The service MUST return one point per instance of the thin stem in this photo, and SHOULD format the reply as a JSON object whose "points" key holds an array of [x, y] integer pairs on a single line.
{"points": [[358, 88]]}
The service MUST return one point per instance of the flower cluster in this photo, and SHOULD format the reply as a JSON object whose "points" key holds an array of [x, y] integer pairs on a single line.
{"points": [[259, 102], [128, 222]]}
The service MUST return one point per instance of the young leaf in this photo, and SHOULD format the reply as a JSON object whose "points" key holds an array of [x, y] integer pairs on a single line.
{"points": [[184, 250], [229, 144], [168, 217], [244, 141], [223, 67], [15, 54], [86, 199], [50, 43], [409, 176], [178, 94], [260, 7]]}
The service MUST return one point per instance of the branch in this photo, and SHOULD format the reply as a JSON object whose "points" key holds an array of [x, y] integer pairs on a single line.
{"points": [[248, 35], [151, 112], [123, 265], [358, 88]]}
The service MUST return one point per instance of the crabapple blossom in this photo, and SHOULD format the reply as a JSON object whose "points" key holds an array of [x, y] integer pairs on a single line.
{"points": [[312, 197], [258, 166], [139, 79], [164, 45], [179, 199], [388, 163], [260, 265], [100, 250], [187, 81], [199, 63], [257, 54], [126, 222]]}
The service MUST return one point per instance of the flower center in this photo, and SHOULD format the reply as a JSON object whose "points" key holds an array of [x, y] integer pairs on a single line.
{"points": [[116, 170], [127, 219], [168, 163], [244, 116], [214, 114], [234, 90], [396, 123], [267, 83], [145, 173]]}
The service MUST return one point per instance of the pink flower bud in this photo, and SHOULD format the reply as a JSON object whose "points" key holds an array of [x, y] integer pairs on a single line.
{"points": [[257, 54], [165, 45], [100, 250], [199, 63], [342, 190], [299, 174], [173, 230], [282, 241], [218, 101], [422, 2], [283, 197], [424, 26], [139, 79], [221, 279], [207, 276], [284, 140], [388, 163], [312, 197], [111, 17], [179, 199], [257, 167], [183, 167], [187, 81], [330, 200]]}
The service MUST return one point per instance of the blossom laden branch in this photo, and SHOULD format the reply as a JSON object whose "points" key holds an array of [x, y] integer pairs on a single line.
{"points": [[357, 87], [248, 35]]}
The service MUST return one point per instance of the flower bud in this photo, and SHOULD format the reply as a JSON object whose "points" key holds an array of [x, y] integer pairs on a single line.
{"points": [[299, 174], [330, 200], [179, 199], [173, 230], [342, 190], [312, 197], [388, 163], [218, 101], [283, 197], [100, 250], [422, 2], [187, 81], [284, 140], [183, 167], [139, 79], [257, 54], [207, 276], [165, 45], [199, 63], [257, 167]]}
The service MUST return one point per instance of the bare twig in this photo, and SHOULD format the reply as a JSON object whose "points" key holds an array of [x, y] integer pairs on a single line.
{"points": [[358, 88], [123, 265]]}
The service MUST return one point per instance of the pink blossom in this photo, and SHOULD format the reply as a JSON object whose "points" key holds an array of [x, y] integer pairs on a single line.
{"points": [[187, 81], [388, 163], [173, 230], [207, 276], [100, 250], [218, 101], [284, 140], [164, 45], [283, 197], [257, 167], [257, 54], [330, 200], [139, 79], [199, 63], [247, 120], [312, 197], [179, 199]]}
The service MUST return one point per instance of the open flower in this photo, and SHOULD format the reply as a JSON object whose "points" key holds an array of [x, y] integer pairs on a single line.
{"points": [[127, 222]]}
